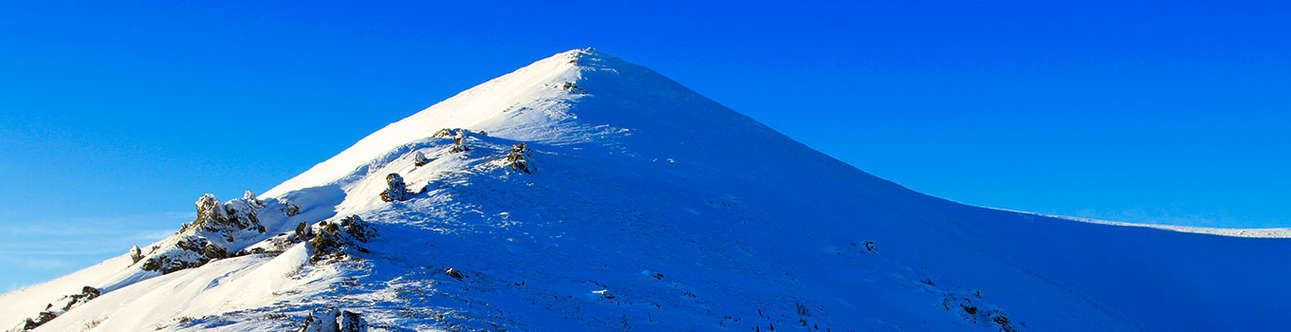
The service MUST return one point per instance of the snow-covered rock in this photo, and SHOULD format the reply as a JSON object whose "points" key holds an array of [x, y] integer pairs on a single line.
{"points": [[655, 209]]}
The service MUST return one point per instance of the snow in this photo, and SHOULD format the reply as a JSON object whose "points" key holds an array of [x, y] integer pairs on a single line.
{"points": [[652, 207], [1279, 233]]}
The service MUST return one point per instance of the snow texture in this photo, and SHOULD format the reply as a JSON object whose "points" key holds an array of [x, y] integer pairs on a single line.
{"points": [[605, 196]]}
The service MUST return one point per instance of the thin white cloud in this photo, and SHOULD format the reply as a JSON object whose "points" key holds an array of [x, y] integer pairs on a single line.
{"points": [[114, 225]]}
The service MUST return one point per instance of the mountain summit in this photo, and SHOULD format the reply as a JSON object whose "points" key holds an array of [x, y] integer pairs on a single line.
{"points": [[583, 192]]}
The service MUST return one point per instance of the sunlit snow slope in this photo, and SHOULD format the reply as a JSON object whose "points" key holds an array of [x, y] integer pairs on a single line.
{"points": [[638, 204]]}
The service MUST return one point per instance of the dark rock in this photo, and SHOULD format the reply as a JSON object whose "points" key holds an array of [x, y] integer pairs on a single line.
{"points": [[324, 321], [455, 273], [357, 228], [303, 232], [334, 238], [41, 318], [351, 322], [288, 208], [213, 251]]}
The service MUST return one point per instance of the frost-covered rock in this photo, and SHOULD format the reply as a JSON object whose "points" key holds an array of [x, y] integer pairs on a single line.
{"points": [[136, 254], [573, 88], [333, 320], [321, 321], [288, 208], [518, 158], [443, 133], [396, 190], [218, 226], [235, 214], [457, 141], [336, 239], [420, 159], [458, 135], [251, 199]]}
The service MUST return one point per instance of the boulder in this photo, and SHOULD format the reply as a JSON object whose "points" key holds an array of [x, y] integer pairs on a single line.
{"points": [[396, 190], [420, 159], [517, 158]]}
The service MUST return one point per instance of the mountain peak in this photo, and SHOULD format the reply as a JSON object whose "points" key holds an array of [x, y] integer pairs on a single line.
{"points": [[572, 97]]}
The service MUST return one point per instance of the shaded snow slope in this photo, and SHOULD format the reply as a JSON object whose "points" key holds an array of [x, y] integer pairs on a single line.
{"points": [[635, 203]]}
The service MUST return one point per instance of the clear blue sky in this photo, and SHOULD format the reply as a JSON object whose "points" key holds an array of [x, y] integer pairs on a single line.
{"points": [[115, 117]]}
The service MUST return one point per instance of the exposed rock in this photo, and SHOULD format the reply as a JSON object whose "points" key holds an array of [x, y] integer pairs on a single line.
{"points": [[357, 228], [41, 318], [420, 159], [213, 251], [135, 254], [455, 273], [215, 216], [166, 265], [251, 199], [517, 158], [288, 208], [457, 142], [322, 321], [87, 293], [974, 310], [573, 88], [332, 320], [206, 238], [396, 190], [333, 240], [351, 322], [303, 232], [442, 133], [53, 310], [458, 135]]}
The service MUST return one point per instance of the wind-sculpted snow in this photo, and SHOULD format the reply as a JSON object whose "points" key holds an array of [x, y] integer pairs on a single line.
{"points": [[586, 193]]}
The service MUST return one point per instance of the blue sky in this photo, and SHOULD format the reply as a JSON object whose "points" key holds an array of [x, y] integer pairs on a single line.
{"points": [[115, 117]]}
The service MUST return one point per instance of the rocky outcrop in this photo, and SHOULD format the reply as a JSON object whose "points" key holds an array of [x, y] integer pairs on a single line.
{"points": [[288, 208], [57, 308], [518, 158], [218, 225], [420, 159], [573, 88], [332, 320], [336, 239], [136, 254], [459, 136], [236, 214], [351, 322], [396, 190]]}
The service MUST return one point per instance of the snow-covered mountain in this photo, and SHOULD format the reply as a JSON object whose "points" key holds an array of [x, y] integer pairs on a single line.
{"points": [[583, 192]]}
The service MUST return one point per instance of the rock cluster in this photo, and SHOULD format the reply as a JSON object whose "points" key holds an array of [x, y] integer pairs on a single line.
{"points": [[206, 238], [333, 240], [517, 158], [332, 320], [53, 310]]}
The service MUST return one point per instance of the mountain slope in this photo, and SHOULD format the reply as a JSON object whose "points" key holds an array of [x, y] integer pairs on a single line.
{"points": [[635, 203]]}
